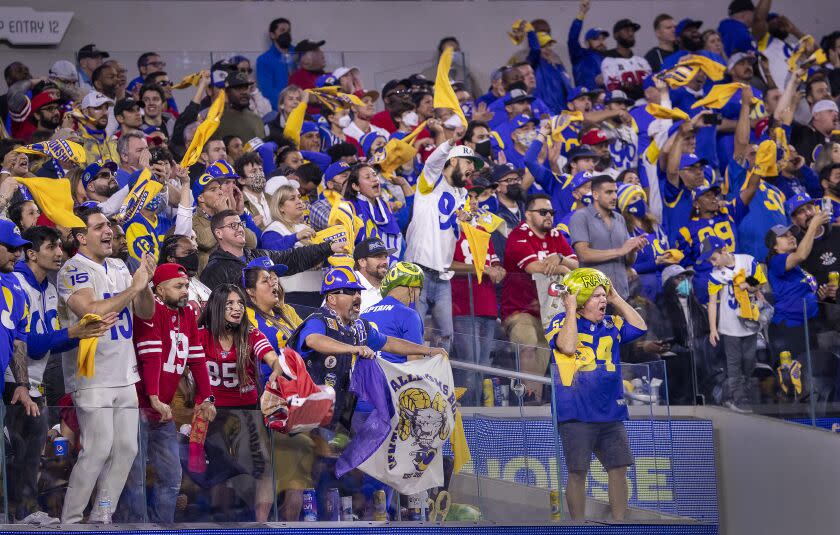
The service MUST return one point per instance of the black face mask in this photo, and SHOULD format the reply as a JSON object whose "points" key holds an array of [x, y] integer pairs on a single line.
{"points": [[483, 149], [514, 191], [189, 262], [284, 40]]}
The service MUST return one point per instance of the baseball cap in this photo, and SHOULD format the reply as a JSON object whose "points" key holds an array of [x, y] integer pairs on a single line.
{"points": [[93, 169], [618, 95], [202, 182], [169, 271], [774, 232], [625, 23], [90, 51], [341, 71], [419, 79], [581, 151], [335, 169], [674, 270], [824, 105], [596, 136], [94, 99], [521, 120], [738, 57], [371, 247], [372, 94], [594, 33], [581, 91], [238, 79], [307, 127], [219, 73], [42, 99], [737, 6], [688, 160], [481, 183], [306, 46], [796, 202], [126, 104], [391, 85], [709, 246], [462, 151], [518, 95], [264, 262], [326, 80], [688, 23], [10, 235], [696, 193], [499, 171], [64, 70], [581, 178]]}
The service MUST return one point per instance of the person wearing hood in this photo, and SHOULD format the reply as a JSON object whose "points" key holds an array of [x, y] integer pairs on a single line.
{"points": [[275, 64]]}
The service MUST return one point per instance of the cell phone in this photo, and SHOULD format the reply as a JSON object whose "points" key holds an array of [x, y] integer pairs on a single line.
{"points": [[825, 205], [712, 119]]}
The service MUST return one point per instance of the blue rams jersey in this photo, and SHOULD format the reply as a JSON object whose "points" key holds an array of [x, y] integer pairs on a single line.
{"points": [[676, 207], [596, 393], [392, 318], [766, 209], [145, 236], [14, 316], [276, 332]]}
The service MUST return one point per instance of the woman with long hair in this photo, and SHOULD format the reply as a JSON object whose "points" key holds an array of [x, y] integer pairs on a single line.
{"points": [[232, 348], [650, 261]]}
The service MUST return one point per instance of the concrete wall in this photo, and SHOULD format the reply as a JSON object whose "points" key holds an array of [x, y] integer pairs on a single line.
{"points": [[388, 38]]}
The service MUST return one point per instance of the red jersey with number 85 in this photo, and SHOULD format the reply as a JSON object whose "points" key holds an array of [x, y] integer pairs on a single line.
{"points": [[166, 345], [221, 366]]}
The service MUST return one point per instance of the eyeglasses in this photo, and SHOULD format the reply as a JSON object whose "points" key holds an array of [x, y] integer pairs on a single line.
{"points": [[165, 83], [348, 291], [234, 226], [543, 211], [234, 306]]}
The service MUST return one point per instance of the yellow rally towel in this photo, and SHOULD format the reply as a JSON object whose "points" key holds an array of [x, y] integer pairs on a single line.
{"points": [[478, 242], [60, 149], [144, 190], [746, 308], [560, 125], [805, 42], [765, 159], [294, 122], [712, 68], [781, 141], [206, 129], [661, 112], [676, 255], [87, 349], [516, 38], [329, 235], [444, 94], [458, 439], [679, 75], [188, 80], [720, 95], [334, 98], [397, 152], [52, 195]]}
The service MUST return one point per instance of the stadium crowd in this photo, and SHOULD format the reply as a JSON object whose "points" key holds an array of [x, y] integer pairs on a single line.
{"points": [[139, 240]]}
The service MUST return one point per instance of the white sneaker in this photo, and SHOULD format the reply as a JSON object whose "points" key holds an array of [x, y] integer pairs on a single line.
{"points": [[40, 518]]}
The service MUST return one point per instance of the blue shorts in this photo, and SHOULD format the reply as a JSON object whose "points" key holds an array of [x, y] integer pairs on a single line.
{"points": [[607, 440]]}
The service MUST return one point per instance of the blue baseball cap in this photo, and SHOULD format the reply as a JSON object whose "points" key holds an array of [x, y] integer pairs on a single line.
{"points": [[581, 91], [340, 278], [696, 193], [687, 23], [367, 141], [10, 235], [307, 127], [90, 172], [499, 171], [201, 183], [581, 178], [796, 202], [688, 160], [709, 246], [594, 33], [264, 262], [521, 120], [326, 80], [335, 169], [582, 151]]}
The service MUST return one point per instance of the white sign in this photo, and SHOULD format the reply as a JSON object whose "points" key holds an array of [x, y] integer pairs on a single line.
{"points": [[25, 26]]}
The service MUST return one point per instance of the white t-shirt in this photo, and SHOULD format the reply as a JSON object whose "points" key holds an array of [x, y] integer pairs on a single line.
{"points": [[433, 231], [43, 311], [777, 52], [370, 295], [729, 322], [115, 362], [354, 131], [306, 281]]}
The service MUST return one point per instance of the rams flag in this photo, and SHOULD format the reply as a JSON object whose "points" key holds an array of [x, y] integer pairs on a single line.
{"points": [[206, 129], [143, 191], [60, 149]]}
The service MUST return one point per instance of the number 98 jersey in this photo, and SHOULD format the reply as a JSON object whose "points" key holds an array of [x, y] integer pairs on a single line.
{"points": [[596, 392], [115, 361]]}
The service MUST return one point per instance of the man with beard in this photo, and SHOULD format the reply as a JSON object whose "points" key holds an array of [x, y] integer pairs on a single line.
{"points": [[166, 345], [664, 28], [397, 99], [238, 119], [96, 108], [275, 64], [433, 230], [586, 62], [329, 338], [621, 68], [371, 257], [99, 181], [45, 112], [183, 250]]}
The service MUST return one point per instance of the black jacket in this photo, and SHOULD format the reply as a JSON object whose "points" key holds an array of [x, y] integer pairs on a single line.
{"points": [[223, 267]]}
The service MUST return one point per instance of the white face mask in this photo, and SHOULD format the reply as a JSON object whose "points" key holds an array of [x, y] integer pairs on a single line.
{"points": [[410, 119], [527, 138], [453, 122], [344, 121]]}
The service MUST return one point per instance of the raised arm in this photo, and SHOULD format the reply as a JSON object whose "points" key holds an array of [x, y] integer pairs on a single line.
{"points": [[742, 127], [804, 249]]}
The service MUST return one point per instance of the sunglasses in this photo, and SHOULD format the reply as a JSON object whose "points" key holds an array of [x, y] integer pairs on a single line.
{"points": [[165, 83], [544, 211], [348, 291]]}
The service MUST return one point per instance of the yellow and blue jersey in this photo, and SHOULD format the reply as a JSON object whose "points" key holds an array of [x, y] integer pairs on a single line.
{"points": [[766, 210], [596, 392], [277, 333], [145, 236], [14, 316]]}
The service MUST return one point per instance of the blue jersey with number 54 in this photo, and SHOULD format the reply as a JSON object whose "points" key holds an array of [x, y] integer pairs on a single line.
{"points": [[595, 392]]}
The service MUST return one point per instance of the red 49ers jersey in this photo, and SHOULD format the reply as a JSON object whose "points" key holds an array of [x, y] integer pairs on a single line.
{"points": [[221, 367]]}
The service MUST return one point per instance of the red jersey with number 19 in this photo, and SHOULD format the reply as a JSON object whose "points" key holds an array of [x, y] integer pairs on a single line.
{"points": [[221, 365], [166, 345]]}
